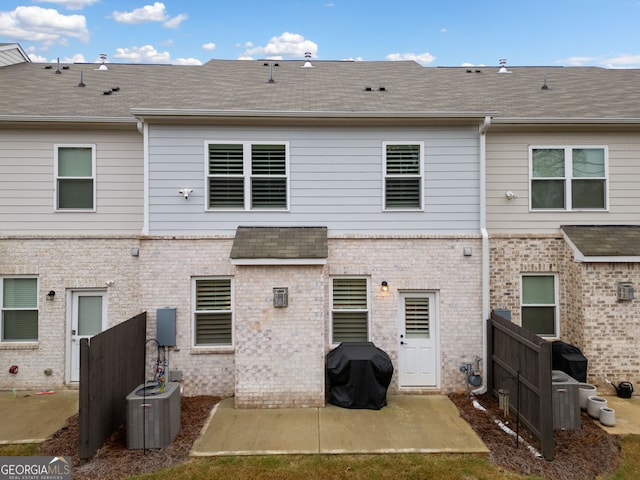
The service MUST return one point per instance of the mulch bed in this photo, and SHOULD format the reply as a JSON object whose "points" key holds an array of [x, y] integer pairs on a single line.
{"points": [[583, 454], [114, 460]]}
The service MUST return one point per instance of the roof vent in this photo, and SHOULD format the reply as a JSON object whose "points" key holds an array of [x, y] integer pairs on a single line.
{"points": [[103, 59], [81, 84], [544, 85], [271, 65], [367, 89], [307, 63], [503, 66], [382, 89], [58, 70]]}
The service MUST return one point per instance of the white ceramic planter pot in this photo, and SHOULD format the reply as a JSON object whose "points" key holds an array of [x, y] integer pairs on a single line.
{"points": [[607, 416], [594, 405], [585, 391]]}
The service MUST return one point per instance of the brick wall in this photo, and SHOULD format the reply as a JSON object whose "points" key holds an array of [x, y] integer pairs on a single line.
{"points": [[605, 329], [62, 264], [280, 353]]}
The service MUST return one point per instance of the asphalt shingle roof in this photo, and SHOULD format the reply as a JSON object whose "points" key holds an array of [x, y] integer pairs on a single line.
{"points": [[605, 240], [31, 89], [280, 243]]}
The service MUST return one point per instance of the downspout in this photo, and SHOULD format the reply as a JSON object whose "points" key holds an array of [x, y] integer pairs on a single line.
{"points": [[143, 128], [485, 248]]}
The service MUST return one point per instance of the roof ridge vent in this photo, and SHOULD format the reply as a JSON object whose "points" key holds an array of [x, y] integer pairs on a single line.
{"points": [[307, 63], [503, 66]]}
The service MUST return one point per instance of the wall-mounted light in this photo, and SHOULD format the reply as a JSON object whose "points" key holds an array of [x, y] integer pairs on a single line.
{"points": [[384, 286], [185, 192], [50, 295], [510, 195]]}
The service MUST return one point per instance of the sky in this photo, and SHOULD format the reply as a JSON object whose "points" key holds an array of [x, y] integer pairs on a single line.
{"points": [[601, 33]]}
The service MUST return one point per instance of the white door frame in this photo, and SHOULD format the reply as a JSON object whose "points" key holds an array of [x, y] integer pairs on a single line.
{"points": [[72, 340], [434, 340]]}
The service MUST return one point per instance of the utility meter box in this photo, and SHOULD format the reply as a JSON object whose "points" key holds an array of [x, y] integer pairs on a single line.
{"points": [[166, 327]]}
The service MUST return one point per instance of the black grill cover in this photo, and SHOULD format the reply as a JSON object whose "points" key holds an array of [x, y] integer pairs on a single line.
{"points": [[569, 359], [359, 375]]}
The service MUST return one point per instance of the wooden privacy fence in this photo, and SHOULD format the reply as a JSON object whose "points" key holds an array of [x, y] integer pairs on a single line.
{"points": [[112, 364], [520, 361]]}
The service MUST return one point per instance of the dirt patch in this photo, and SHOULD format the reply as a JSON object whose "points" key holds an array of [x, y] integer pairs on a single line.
{"points": [[115, 461], [583, 454]]}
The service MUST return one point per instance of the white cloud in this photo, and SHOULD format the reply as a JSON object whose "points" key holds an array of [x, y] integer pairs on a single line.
{"points": [[422, 58], [37, 58], [209, 46], [176, 21], [150, 13], [43, 25], [622, 61], [71, 4], [443, 30], [286, 45], [143, 54], [187, 61], [577, 61]]}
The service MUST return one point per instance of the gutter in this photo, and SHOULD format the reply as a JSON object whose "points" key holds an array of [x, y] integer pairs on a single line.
{"points": [[485, 248]]}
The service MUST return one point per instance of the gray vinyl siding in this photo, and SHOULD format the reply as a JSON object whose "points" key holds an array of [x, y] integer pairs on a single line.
{"points": [[508, 169], [27, 182], [336, 180]]}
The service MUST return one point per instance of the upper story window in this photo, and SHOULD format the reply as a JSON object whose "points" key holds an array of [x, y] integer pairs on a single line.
{"points": [[213, 312], [403, 175], [568, 178], [539, 304], [75, 172], [248, 176], [19, 297], [350, 310]]}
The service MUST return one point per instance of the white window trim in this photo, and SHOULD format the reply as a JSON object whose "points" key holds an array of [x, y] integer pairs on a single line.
{"points": [[385, 176], [568, 177], [556, 326], [2, 309], [368, 310], [56, 148], [246, 174], [216, 348]]}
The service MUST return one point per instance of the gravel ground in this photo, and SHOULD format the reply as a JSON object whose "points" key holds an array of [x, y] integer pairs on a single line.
{"points": [[583, 454]]}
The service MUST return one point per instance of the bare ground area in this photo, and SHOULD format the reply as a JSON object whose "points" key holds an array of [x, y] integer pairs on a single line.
{"points": [[583, 454]]}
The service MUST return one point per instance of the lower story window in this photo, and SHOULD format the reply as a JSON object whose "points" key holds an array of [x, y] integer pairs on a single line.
{"points": [[19, 309], [213, 315], [350, 310], [539, 304]]}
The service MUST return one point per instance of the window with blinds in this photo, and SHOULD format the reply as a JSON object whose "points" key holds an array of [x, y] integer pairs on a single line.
{"points": [[226, 176], [416, 317], [350, 310], [19, 310], [247, 176], [75, 177], [403, 176], [213, 315]]}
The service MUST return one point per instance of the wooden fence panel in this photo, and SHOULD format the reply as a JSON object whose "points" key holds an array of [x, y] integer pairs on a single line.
{"points": [[520, 361], [112, 364]]}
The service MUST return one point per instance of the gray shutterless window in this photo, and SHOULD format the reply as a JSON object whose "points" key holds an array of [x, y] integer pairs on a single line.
{"points": [[568, 178], [247, 176], [19, 309], [213, 312], [350, 310], [75, 177]]}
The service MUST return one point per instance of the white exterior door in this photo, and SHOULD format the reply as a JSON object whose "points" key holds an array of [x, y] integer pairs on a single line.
{"points": [[418, 348], [88, 317]]}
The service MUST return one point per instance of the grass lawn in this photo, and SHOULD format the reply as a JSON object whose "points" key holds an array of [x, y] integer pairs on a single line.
{"points": [[353, 467]]}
